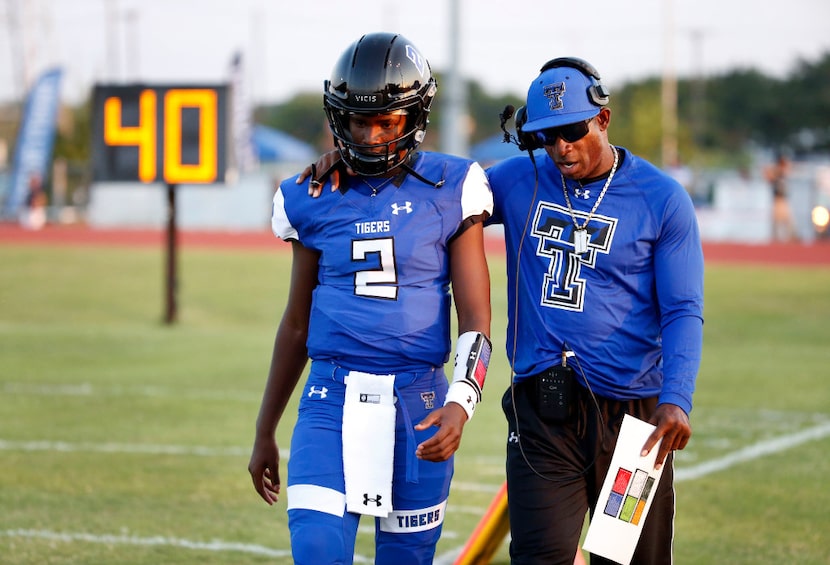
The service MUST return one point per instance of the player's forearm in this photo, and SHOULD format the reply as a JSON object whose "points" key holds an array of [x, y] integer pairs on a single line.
{"points": [[288, 361]]}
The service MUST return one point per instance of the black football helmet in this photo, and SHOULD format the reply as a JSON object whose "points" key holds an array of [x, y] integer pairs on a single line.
{"points": [[379, 73]]}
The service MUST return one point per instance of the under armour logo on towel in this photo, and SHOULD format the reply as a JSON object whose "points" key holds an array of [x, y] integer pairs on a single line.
{"points": [[405, 208], [367, 499], [313, 390]]}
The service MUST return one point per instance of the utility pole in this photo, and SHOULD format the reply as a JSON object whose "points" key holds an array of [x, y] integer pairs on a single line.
{"points": [[669, 88], [16, 50], [111, 30], [454, 118], [132, 46], [699, 90]]}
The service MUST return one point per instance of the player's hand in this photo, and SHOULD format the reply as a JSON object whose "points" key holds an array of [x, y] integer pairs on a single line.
{"points": [[450, 421], [673, 426], [321, 172], [264, 469]]}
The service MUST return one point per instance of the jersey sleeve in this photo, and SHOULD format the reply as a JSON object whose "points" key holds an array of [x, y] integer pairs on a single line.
{"points": [[679, 269], [280, 224], [476, 196]]}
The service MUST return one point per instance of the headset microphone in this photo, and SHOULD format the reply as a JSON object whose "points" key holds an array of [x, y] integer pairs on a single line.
{"points": [[506, 114]]}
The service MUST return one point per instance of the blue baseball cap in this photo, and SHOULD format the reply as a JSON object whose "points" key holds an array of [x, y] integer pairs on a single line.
{"points": [[559, 96]]}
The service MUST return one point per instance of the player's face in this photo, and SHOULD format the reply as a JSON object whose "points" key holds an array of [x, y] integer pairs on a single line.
{"points": [[377, 129], [586, 157]]}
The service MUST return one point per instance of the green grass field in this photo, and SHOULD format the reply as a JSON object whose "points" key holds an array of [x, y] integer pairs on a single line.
{"points": [[124, 440]]}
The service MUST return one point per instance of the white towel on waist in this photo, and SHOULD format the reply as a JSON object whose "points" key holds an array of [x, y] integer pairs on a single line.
{"points": [[369, 442]]}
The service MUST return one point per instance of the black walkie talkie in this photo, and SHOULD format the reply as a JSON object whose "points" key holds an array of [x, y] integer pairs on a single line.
{"points": [[554, 392]]}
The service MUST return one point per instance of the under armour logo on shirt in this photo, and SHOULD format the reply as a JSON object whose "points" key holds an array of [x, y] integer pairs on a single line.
{"points": [[513, 438], [406, 208], [313, 390], [583, 193]]}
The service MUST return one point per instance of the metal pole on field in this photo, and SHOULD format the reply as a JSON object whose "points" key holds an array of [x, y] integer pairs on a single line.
{"points": [[489, 534], [171, 280]]}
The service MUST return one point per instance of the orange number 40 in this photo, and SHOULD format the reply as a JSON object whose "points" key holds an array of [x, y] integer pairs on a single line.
{"points": [[144, 135]]}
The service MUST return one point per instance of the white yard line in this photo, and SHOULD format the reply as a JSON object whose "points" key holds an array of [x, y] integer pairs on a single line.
{"points": [[214, 545], [754, 451], [136, 448], [89, 390]]}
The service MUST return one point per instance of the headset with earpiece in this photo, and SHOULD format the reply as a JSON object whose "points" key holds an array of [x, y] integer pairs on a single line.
{"points": [[526, 141], [597, 93]]}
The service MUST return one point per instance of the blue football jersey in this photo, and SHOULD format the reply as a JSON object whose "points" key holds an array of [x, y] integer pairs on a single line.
{"points": [[635, 294], [382, 303]]}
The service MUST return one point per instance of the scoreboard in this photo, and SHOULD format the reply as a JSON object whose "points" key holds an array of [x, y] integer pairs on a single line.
{"points": [[170, 134]]}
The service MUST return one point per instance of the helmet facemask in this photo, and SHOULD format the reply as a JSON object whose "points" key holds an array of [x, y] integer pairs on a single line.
{"points": [[376, 159]]}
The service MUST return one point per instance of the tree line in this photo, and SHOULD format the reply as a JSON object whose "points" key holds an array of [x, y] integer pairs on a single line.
{"points": [[720, 117]]}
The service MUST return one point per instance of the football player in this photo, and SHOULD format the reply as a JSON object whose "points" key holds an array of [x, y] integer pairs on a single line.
{"points": [[370, 304]]}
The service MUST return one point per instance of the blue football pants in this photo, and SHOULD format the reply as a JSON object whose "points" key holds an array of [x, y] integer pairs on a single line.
{"points": [[322, 532]]}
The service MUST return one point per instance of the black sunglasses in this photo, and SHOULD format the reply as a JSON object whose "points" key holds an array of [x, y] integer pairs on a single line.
{"points": [[569, 132]]}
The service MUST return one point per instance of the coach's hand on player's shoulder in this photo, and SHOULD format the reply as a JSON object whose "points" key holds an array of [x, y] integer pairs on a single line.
{"points": [[264, 468], [673, 426], [450, 421], [317, 173]]}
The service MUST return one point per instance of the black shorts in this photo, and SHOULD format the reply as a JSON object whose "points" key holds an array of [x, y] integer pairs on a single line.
{"points": [[555, 472]]}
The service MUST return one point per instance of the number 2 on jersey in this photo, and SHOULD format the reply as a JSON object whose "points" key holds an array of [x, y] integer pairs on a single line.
{"points": [[377, 282]]}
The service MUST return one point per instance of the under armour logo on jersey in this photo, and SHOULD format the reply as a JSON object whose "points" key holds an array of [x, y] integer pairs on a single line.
{"points": [[405, 208], [313, 390], [429, 400], [367, 499], [584, 193], [555, 92], [513, 438], [416, 58]]}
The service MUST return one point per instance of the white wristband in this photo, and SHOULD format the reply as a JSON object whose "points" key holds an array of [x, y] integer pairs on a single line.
{"points": [[471, 360]]}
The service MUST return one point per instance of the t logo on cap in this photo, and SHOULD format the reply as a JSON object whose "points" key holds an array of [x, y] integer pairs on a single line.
{"points": [[555, 92]]}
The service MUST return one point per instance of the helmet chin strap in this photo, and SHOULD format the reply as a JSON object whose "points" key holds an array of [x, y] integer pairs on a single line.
{"points": [[369, 164], [405, 166]]}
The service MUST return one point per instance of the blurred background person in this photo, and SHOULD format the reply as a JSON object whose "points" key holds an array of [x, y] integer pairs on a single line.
{"points": [[783, 225]]}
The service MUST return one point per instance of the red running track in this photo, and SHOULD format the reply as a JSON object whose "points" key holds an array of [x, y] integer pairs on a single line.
{"points": [[815, 254]]}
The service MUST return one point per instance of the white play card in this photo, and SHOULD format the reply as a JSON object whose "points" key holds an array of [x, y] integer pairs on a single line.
{"points": [[626, 495]]}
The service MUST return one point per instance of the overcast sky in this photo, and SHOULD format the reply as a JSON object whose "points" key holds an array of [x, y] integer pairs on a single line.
{"points": [[291, 45]]}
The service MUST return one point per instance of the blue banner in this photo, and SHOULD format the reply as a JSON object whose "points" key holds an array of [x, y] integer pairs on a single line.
{"points": [[35, 139]]}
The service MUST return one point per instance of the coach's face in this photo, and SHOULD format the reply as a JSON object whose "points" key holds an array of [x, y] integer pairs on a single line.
{"points": [[587, 157]]}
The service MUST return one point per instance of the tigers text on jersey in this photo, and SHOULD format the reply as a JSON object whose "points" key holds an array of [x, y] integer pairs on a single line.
{"points": [[634, 295], [382, 302]]}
